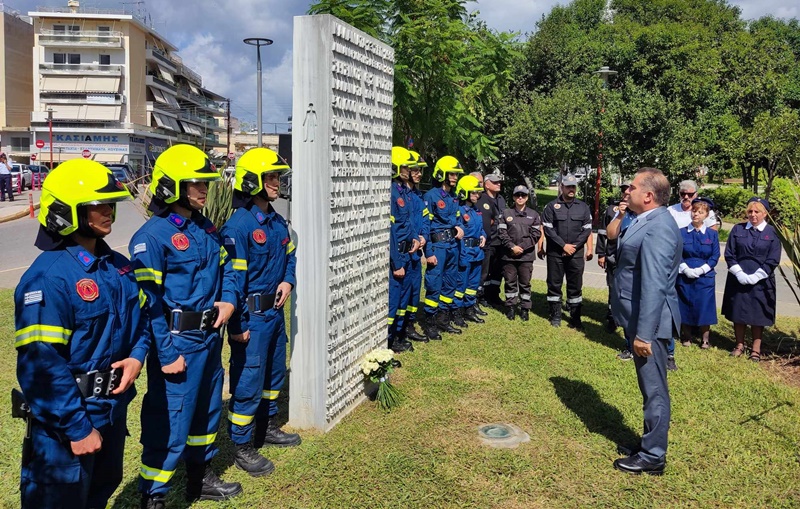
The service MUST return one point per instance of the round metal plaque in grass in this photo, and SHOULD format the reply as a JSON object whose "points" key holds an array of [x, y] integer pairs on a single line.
{"points": [[506, 436]]}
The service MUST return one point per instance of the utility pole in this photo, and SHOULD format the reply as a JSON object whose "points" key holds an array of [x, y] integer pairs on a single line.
{"points": [[50, 122], [228, 124]]}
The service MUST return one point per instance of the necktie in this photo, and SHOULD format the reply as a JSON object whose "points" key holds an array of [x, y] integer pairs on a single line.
{"points": [[627, 220]]}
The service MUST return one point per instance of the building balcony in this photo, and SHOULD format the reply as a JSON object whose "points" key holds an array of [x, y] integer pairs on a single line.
{"points": [[160, 57], [155, 81], [83, 39], [82, 98], [189, 74], [94, 69]]}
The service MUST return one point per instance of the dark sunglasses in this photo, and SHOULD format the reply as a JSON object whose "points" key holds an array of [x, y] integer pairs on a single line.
{"points": [[520, 194], [687, 195]]}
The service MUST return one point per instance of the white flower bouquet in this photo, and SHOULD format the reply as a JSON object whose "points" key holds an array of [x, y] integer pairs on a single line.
{"points": [[376, 367]]}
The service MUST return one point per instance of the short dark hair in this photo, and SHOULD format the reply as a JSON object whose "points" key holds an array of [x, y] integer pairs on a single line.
{"points": [[653, 180]]}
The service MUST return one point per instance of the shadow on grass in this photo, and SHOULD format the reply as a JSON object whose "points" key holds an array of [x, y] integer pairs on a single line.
{"points": [[597, 415]]}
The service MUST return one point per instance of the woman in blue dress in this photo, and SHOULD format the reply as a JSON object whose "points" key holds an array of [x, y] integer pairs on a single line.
{"points": [[752, 253], [696, 275]]}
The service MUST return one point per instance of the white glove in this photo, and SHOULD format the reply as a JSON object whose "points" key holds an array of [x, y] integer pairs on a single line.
{"points": [[756, 277], [690, 273], [698, 271], [742, 278], [706, 268], [735, 270], [751, 279], [682, 268]]}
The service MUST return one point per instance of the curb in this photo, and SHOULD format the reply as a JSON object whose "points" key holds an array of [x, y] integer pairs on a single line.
{"points": [[18, 215]]}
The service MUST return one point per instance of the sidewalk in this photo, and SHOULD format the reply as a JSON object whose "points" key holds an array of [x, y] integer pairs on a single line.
{"points": [[20, 207]]}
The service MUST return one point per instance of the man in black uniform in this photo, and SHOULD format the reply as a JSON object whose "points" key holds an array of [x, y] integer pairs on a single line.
{"points": [[492, 205], [606, 252], [567, 225]]}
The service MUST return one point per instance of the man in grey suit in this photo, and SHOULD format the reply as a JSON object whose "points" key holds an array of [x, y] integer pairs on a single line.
{"points": [[645, 303]]}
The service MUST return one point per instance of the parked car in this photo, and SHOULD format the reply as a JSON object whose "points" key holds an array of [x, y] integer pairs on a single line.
{"points": [[124, 173], [18, 169], [38, 174]]}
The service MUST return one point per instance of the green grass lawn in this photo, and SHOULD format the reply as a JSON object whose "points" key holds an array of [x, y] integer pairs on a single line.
{"points": [[734, 439]]}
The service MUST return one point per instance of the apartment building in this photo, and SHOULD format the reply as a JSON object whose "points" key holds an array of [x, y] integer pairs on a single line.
{"points": [[16, 84], [114, 90]]}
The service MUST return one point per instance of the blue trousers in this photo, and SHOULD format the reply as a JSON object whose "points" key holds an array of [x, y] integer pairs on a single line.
{"points": [[413, 285], [469, 282], [651, 373], [258, 370], [441, 280], [180, 415], [398, 290], [55, 478]]}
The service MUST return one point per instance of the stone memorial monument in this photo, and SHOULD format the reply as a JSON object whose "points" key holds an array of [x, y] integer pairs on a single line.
{"points": [[341, 162]]}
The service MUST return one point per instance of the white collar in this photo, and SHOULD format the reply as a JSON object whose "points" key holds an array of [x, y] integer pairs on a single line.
{"points": [[702, 229], [760, 227]]}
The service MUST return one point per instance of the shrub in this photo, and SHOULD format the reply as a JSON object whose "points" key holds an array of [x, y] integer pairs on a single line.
{"points": [[784, 203], [730, 201]]}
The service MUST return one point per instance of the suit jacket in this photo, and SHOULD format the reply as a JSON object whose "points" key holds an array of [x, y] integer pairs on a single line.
{"points": [[644, 300]]}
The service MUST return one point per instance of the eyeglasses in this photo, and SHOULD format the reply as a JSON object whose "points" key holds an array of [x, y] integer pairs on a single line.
{"points": [[520, 196], [687, 195]]}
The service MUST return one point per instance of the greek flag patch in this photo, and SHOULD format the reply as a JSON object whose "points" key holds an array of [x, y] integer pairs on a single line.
{"points": [[140, 248], [229, 241], [33, 297]]}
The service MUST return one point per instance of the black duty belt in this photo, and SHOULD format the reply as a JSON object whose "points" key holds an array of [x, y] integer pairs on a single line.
{"points": [[260, 302], [472, 242], [179, 320], [98, 384], [443, 235], [405, 246]]}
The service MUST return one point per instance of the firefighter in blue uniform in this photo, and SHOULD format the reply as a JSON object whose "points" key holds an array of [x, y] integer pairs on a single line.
{"points": [[263, 256], [402, 242], [470, 255], [185, 272], [421, 225], [82, 335], [441, 274]]}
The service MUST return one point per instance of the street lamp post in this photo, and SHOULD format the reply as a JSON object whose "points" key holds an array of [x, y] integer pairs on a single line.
{"points": [[258, 42], [50, 122], [604, 73]]}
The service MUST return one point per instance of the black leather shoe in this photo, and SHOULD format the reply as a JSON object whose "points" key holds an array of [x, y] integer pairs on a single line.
{"points": [[430, 329], [510, 313], [458, 318], [151, 501], [203, 484], [274, 436], [413, 334], [443, 323], [636, 465], [249, 460], [472, 316], [524, 314], [478, 310], [399, 345]]}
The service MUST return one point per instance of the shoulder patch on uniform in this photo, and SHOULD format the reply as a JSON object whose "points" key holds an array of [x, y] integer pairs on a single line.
{"points": [[557, 206], [211, 229], [140, 248], [510, 218], [401, 202], [260, 217], [33, 297], [229, 241], [440, 204], [466, 217], [486, 206]]}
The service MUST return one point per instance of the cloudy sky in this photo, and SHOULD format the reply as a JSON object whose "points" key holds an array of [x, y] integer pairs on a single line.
{"points": [[209, 35]]}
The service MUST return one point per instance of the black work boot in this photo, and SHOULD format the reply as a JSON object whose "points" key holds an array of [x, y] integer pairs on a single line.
{"points": [[430, 329], [555, 313], [413, 334], [611, 324], [472, 316], [153, 502], [478, 310], [269, 433], [575, 317], [249, 460], [458, 318], [524, 314], [510, 313], [400, 345], [203, 484], [443, 322]]}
